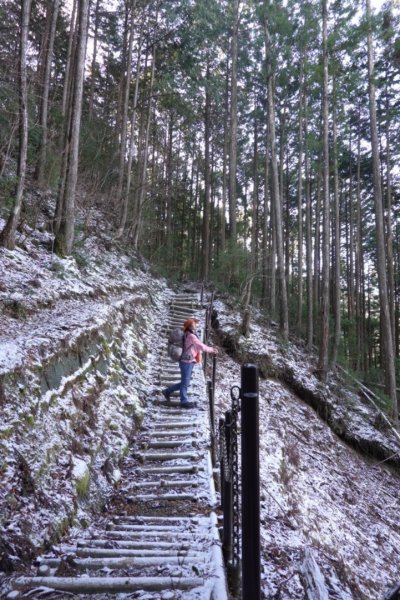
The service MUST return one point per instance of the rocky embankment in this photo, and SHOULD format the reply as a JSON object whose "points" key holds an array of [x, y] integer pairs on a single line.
{"points": [[74, 345]]}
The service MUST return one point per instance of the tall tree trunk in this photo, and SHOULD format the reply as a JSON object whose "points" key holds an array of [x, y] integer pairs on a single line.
{"points": [[66, 111], [122, 77], [350, 278], [389, 231], [266, 228], [324, 341], [387, 337], [64, 240], [143, 180], [254, 210], [193, 235], [317, 246], [233, 125], [7, 236], [125, 198], [300, 201], [309, 260], [224, 160], [336, 267], [205, 246], [124, 116], [168, 191], [70, 59], [276, 199], [51, 17], [396, 295], [284, 193], [359, 267], [94, 59]]}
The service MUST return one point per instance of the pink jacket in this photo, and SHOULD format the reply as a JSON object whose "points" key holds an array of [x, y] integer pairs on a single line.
{"points": [[193, 345]]}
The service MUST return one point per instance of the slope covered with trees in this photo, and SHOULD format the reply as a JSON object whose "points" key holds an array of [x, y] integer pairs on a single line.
{"points": [[252, 144]]}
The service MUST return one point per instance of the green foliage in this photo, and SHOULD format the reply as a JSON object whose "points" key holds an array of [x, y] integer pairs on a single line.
{"points": [[193, 58], [7, 195], [82, 260], [82, 486], [231, 269], [30, 421], [58, 268], [97, 153], [166, 263]]}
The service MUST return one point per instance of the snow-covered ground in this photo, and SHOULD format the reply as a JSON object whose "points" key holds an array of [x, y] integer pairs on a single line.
{"points": [[317, 493], [76, 345]]}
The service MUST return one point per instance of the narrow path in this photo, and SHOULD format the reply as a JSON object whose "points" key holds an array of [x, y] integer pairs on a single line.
{"points": [[164, 545]]}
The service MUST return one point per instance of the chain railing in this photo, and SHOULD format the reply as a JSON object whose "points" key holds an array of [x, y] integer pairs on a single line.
{"points": [[235, 398], [240, 496]]}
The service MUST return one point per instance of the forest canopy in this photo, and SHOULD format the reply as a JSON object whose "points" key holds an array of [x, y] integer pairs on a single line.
{"points": [[252, 144]]}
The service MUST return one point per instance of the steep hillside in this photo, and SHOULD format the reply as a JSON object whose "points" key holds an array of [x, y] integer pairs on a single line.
{"points": [[78, 338], [329, 471], [75, 349]]}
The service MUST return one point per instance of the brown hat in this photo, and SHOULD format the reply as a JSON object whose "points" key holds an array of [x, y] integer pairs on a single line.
{"points": [[190, 324]]}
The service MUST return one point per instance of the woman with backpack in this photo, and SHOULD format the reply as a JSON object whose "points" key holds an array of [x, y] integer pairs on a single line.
{"points": [[191, 354]]}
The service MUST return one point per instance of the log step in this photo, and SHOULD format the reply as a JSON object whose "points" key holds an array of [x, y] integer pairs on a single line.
{"points": [[147, 536], [88, 585], [123, 561], [172, 424], [171, 443], [126, 526], [163, 484], [183, 534], [161, 497], [163, 470], [107, 543], [100, 552], [146, 456], [164, 520], [176, 434]]}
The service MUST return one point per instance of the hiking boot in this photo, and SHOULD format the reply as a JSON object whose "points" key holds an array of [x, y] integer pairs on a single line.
{"points": [[187, 405], [166, 395]]}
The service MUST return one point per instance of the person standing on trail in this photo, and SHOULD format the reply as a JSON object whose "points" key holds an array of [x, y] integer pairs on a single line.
{"points": [[191, 354]]}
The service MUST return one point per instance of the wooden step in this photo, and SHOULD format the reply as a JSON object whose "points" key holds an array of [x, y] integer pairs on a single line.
{"points": [[93, 585]]}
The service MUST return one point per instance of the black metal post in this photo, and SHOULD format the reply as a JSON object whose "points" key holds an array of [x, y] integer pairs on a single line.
{"points": [[221, 430], [212, 418], [211, 303], [211, 405], [251, 565], [227, 494], [206, 327], [214, 373]]}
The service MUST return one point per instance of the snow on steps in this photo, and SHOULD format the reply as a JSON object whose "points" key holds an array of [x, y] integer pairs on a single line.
{"points": [[168, 557]]}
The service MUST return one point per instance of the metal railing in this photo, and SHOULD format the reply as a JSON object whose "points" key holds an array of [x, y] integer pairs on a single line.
{"points": [[240, 488]]}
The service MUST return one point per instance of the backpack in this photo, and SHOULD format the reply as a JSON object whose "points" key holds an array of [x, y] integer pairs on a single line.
{"points": [[175, 344]]}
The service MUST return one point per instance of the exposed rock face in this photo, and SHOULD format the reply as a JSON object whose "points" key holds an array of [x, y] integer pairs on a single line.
{"points": [[73, 380]]}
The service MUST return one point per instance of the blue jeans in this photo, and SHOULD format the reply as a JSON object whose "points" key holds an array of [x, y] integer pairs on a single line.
{"points": [[182, 386]]}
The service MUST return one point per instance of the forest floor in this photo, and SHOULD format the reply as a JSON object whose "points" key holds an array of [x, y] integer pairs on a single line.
{"points": [[316, 491]]}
